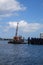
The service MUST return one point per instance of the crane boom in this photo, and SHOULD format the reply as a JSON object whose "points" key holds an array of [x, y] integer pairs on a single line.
{"points": [[16, 30]]}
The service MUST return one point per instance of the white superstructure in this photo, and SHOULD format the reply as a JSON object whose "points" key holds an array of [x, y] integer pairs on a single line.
{"points": [[41, 35]]}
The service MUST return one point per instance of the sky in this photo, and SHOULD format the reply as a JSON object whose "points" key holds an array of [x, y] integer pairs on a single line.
{"points": [[28, 13]]}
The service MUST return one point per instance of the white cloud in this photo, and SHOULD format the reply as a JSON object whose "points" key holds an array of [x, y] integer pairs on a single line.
{"points": [[25, 26], [9, 6]]}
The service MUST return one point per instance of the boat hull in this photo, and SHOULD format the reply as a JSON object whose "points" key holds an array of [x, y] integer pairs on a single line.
{"points": [[16, 42]]}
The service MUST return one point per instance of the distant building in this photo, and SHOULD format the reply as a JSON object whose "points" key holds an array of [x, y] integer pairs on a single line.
{"points": [[41, 35]]}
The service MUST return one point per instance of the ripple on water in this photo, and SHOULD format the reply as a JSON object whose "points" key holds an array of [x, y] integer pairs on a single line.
{"points": [[20, 54]]}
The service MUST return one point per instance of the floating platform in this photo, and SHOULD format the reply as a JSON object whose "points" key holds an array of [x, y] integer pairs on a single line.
{"points": [[35, 41]]}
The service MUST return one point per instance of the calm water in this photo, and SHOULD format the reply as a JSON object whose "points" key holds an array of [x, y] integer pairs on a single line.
{"points": [[20, 54]]}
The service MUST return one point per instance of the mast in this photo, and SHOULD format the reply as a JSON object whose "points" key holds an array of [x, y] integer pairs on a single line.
{"points": [[16, 30]]}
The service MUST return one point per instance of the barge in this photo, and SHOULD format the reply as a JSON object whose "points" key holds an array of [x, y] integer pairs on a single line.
{"points": [[35, 41], [17, 39]]}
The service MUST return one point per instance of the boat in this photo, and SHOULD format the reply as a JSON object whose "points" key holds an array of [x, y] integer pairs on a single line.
{"points": [[17, 39]]}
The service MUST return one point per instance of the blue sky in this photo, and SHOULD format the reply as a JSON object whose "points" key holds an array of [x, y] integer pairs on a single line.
{"points": [[29, 14]]}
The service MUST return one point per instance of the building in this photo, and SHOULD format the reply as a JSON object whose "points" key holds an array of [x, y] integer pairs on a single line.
{"points": [[41, 35]]}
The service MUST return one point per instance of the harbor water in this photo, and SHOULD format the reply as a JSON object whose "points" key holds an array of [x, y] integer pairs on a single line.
{"points": [[20, 54]]}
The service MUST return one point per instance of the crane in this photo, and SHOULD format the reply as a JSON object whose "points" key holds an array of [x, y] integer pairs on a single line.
{"points": [[17, 39]]}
